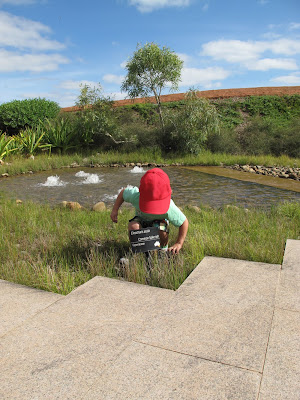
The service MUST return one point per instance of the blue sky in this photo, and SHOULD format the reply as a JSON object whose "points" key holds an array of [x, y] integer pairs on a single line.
{"points": [[49, 47]]}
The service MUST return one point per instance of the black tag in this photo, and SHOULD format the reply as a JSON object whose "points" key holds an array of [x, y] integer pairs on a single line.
{"points": [[145, 239]]}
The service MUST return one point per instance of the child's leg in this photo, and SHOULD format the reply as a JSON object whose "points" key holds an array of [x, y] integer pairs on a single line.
{"points": [[164, 239], [134, 224], [163, 227]]}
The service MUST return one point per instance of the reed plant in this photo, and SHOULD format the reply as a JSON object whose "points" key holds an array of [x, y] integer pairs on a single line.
{"points": [[56, 249]]}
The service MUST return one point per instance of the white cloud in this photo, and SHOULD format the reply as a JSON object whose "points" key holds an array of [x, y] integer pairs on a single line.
{"points": [[293, 79], [249, 53], [232, 50], [271, 35], [116, 95], [266, 64], [294, 25], [14, 61], [205, 7], [23, 33], [123, 64], [17, 2], [204, 77], [286, 47], [75, 85], [145, 6], [184, 57], [110, 78]]}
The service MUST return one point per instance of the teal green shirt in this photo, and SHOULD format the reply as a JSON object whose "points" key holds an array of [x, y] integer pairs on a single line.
{"points": [[174, 214]]}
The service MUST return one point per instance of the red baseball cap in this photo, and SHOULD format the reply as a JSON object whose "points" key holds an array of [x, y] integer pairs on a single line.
{"points": [[155, 192]]}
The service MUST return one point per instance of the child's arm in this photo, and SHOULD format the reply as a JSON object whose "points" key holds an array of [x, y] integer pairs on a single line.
{"points": [[181, 237], [119, 201]]}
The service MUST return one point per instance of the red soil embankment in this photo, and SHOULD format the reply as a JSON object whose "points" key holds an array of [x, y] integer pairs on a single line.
{"points": [[210, 94]]}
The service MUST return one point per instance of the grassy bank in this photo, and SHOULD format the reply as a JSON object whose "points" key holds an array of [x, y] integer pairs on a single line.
{"points": [[57, 250], [18, 164]]}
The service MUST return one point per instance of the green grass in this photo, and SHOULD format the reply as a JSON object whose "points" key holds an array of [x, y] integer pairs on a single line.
{"points": [[57, 250], [16, 164]]}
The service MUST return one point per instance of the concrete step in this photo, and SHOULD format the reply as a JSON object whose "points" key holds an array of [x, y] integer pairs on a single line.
{"points": [[60, 352], [282, 367], [222, 312], [18, 303], [216, 337]]}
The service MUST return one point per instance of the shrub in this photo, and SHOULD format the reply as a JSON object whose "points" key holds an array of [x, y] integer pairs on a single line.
{"points": [[96, 122], [267, 136], [19, 114], [224, 142], [255, 138], [188, 127], [286, 139]]}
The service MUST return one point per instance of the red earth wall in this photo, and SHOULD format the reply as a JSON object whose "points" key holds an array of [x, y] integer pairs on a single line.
{"points": [[210, 94]]}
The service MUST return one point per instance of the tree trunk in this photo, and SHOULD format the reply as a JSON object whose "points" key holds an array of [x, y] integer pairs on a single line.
{"points": [[157, 98]]}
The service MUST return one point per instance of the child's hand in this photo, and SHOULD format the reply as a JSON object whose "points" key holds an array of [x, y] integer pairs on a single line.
{"points": [[175, 249], [114, 216]]}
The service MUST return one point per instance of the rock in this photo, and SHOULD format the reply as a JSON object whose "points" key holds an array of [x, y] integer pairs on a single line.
{"points": [[283, 175], [246, 168], [74, 164], [293, 176], [99, 207], [30, 172], [1, 162], [275, 171], [18, 201], [73, 205], [232, 207], [195, 208], [124, 262], [5, 175]]}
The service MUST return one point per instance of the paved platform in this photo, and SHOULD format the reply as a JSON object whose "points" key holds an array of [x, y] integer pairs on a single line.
{"points": [[231, 331]]}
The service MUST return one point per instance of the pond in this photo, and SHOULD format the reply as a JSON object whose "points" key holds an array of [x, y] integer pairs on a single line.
{"points": [[91, 185]]}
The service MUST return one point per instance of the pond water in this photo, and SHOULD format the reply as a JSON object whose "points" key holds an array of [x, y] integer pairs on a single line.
{"points": [[91, 185]]}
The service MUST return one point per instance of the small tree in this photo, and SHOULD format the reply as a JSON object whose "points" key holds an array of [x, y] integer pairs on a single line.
{"points": [[96, 120], [189, 126], [150, 70]]}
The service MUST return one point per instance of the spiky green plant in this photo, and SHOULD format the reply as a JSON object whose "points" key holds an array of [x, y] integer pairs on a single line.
{"points": [[60, 134], [30, 140], [6, 145]]}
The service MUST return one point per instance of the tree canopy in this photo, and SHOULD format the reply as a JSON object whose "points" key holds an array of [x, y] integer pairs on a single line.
{"points": [[150, 70]]}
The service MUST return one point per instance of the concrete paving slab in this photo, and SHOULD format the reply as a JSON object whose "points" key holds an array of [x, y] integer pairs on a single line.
{"points": [[281, 373], [18, 302], [145, 372], [289, 285], [288, 294], [291, 260], [59, 353], [223, 313]]}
